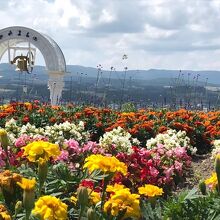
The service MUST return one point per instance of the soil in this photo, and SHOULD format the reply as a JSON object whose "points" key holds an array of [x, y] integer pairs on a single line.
{"points": [[201, 168]]}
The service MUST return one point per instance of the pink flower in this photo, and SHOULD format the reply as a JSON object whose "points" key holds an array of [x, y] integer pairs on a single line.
{"points": [[169, 153], [22, 140], [169, 172], [40, 138], [154, 172], [2, 157], [178, 167], [73, 145], [63, 156], [160, 149], [89, 146], [93, 147], [180, 152]]}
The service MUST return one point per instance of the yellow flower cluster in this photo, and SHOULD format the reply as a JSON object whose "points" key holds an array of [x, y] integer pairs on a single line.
{"points": [[41, 150], [26, 184], [105, 164], [94, 197], [212, 181], [150, 190], [115, 188], [122, 200], [4, 213], [50, 208]]}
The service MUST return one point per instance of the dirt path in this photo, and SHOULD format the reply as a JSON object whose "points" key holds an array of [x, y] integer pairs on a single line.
{"points": [[201, 168]]}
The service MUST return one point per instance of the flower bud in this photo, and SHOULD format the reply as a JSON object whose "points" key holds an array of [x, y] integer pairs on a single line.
{"points": [[202, 187], [91, 215], [4, 139], [217, 164], [82, 196], [18, 207], [217, 170], [28, 194]]}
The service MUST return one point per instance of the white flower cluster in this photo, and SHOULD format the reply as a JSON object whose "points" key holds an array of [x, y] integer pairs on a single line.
{"points": [[216, 148], [12, 129], [118, 138], [56, 133], [171, 139], [11, 126], [66, 131]]}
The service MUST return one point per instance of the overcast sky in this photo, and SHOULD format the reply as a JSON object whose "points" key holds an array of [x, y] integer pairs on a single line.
{"points": [[168, 34]]}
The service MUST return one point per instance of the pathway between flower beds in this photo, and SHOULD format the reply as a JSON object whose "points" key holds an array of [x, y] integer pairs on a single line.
{"points": [[201, 168]]}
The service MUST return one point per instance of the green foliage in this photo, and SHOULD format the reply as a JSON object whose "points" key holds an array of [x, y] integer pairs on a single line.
{"points": [[128, 107], [188, 205], [150, 213], [61, 181]]}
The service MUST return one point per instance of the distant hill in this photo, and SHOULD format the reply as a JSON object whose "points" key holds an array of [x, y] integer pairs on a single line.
{"points": [[148, 77]]}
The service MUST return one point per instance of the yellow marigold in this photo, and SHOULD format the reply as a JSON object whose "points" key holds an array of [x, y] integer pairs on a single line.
{"points": [[41, 149], [150, 190], [5, 216], [8, 180], [26, 184], [105, 164], [123, 200], [114, 188], [50, 208], [212, 181], [4, 213], [94, 197]]}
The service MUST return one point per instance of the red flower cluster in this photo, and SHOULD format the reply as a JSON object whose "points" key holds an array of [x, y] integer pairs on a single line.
{"points": [[159, 166]]}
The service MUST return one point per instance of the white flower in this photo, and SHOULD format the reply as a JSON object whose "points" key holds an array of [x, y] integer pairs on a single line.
{"points": [[119, 138], [55, 133], [171, 139]]}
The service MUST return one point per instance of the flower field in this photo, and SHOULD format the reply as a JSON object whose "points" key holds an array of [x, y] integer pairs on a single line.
{"points": [[79, 162]]}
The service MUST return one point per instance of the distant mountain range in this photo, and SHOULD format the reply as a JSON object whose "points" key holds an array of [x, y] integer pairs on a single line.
{"points": [[148, 77]]}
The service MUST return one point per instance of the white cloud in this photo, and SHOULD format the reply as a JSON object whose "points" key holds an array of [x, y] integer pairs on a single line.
{"points": [[173, 34]]}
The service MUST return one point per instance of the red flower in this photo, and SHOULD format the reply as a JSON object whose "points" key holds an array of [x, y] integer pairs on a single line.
{"points": [[25, 119], [87, 183]]}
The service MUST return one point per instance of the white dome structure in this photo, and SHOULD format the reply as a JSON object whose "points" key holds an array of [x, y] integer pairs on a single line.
{"points": [[53, 56]]}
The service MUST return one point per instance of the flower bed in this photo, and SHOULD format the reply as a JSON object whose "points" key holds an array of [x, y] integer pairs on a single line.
{"points": [[202, 128], [95, 163]]}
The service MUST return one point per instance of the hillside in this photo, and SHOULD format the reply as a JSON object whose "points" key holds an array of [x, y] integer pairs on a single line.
{"points": [[156, 76]]}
